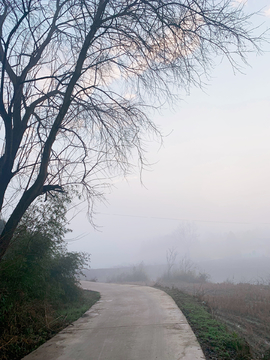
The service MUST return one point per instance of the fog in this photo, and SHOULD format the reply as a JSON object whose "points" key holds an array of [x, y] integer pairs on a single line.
{"points": [[212, 174]]}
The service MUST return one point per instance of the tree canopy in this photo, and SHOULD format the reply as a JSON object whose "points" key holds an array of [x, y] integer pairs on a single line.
{"points": [[77, 78]]}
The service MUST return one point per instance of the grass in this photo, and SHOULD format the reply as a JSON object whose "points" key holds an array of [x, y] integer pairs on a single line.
{"points": [[216, 341], [43, 323], [71, 312], [244, 308]]}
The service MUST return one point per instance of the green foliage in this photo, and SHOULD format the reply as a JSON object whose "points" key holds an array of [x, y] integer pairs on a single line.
{"points": [[266, 356], [37, 277], [216, 341], [79, 307]]}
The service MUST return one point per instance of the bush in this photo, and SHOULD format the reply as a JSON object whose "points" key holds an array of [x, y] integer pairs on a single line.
{"points": [[38, 275], [185, 276], [186, 272], [138, 274]]}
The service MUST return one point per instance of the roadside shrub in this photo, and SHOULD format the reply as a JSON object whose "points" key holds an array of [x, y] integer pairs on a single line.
{"points": [[37, 276]]}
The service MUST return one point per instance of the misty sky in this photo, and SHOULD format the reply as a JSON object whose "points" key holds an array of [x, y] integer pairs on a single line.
{"points": [[212, 171]]}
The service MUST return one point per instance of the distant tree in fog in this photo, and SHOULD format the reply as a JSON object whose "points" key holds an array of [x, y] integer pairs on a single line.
{"points": [[186, 237], [171, 255]]}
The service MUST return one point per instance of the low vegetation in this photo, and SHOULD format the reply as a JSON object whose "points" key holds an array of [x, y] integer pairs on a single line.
{"points": [[136, 275], [26, 326], [184, 272], [243, 309], [39, 293], [190, 276], [216, 340]]}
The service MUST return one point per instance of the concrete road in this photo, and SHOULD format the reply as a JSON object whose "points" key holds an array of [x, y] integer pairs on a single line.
{"points": [[130, 322]]}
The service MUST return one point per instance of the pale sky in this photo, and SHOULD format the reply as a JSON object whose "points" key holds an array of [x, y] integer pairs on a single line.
{"points": [[213, 169]]}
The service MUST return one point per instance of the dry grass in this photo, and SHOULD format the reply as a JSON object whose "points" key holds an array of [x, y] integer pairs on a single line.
{"points": [[245, 308]]}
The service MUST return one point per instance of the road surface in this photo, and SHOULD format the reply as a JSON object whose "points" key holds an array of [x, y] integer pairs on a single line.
{"points": [[130, 322]]}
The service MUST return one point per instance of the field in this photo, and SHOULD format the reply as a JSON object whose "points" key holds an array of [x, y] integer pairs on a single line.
{"points": [[244, 308]]}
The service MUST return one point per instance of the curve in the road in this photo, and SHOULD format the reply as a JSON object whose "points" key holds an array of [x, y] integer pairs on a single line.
{"points": [[130, 322]]}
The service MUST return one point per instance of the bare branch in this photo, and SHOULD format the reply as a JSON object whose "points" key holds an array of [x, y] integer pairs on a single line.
{"points": [[77, 78]]}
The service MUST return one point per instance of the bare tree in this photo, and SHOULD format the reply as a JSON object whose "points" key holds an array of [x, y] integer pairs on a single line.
{"points": [[76, 80], [171, 255], [186, 236]]}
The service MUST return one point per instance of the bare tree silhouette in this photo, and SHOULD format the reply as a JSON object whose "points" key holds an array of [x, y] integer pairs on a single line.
{"points": [[77, 78]]}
